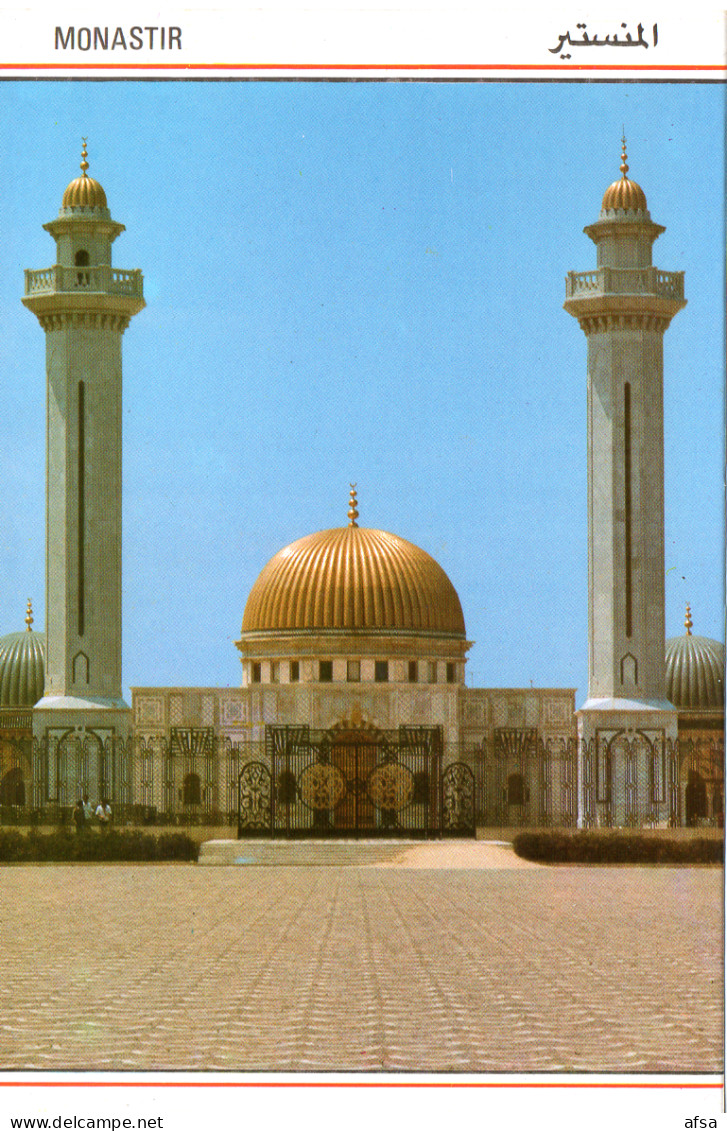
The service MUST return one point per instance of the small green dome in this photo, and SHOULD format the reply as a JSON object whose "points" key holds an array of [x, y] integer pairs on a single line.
{"points": [[22, 668], [695, 673]]}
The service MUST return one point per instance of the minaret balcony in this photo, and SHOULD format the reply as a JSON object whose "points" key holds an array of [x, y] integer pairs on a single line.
{"points": [[625, 281], [104, 280]]}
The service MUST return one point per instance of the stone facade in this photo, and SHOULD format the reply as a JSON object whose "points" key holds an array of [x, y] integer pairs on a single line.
{"points": [[520, 743]]}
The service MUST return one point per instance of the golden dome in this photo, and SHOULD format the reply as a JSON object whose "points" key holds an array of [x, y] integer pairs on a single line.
{"points": [[352, 578], [624, 195], [84, 192]]}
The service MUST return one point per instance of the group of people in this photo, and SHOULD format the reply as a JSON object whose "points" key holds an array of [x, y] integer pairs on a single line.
{"points": [[84, 815]]}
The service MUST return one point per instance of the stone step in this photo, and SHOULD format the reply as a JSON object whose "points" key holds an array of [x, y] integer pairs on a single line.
{"points": [[303, 853]]}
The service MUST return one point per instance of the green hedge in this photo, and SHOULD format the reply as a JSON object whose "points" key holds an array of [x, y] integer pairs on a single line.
{"points": [[615, 848], [93, 845]]}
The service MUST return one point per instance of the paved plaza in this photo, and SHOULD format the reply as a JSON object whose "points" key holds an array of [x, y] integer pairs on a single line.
{"points": [[435, 958]]}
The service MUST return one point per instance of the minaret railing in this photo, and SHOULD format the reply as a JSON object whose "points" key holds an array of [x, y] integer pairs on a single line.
{"points": [[97, 280], [625, 281]]}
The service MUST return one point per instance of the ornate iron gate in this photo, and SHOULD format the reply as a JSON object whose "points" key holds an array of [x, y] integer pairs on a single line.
{"points": [[458, 800], [254, 794], [346, 782]]}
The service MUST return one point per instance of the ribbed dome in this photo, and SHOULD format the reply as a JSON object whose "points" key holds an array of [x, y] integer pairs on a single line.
{"points": [[22, 669], [84, 192], [695, 672], [351, 578], [625, 195]]}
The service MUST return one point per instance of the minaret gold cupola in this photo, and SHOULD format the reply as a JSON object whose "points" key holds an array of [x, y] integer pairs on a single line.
{"points": [[84, 192]]}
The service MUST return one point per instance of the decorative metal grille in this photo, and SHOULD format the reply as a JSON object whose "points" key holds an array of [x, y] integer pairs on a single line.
{"points": [[191, 742], [642, 782], [629, 752], [603, 771], [701, 781], [673, 756], [354, 781], [657, 772], [515, 743], [366, 782], [523, 780], [589, 800], [458, 800], [254, 795]]}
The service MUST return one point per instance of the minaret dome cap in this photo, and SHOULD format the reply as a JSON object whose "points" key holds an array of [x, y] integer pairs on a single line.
{"points": [[624, 195], [22, 666], [84, 191]]}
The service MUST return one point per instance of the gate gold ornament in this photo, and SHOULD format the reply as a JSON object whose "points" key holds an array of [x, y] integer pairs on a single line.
{"points": [[391, 786], [322, 786]]}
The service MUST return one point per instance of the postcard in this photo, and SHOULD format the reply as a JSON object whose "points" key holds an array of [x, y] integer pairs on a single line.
{"points": [[362, 669]]}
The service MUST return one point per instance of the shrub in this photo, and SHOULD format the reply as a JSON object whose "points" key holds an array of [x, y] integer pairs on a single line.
{"points": [[13, 845], [615, 848], [62, 845], [177, 846]]}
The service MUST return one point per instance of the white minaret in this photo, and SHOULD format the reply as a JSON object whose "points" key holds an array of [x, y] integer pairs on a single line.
{"points": [[84, 305], [627, 729]]}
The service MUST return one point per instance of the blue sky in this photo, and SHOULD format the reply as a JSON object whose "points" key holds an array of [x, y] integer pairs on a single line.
{"points": [[364, 282]]}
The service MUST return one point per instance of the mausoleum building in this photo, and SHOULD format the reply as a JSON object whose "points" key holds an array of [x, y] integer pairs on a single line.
{"points": [[352, 712]]}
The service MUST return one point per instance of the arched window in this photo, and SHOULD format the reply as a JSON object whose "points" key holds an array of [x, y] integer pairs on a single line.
{"points": [[718, 805], [82, 259], [516, 789], [12, 788], [192, 790], [80, 668], [695, 799]]}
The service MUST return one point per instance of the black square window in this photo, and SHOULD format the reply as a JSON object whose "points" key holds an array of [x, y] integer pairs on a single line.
{"points": [[381, 671], [325, 671], [294, 671], [451, 673], [413, 671], [256, 672]]}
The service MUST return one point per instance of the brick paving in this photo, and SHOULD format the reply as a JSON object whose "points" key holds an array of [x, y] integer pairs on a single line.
{"points": [[365, 968]]}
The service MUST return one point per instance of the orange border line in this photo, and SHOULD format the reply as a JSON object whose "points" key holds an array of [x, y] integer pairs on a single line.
{"points": [[322, 1084], [357, 67]]}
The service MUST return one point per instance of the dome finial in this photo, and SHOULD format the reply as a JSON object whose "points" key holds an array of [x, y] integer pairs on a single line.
{"points": [[84, 191], [624, 156], [688, 620], [29, 616], [352, 505], [624, 195]]}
